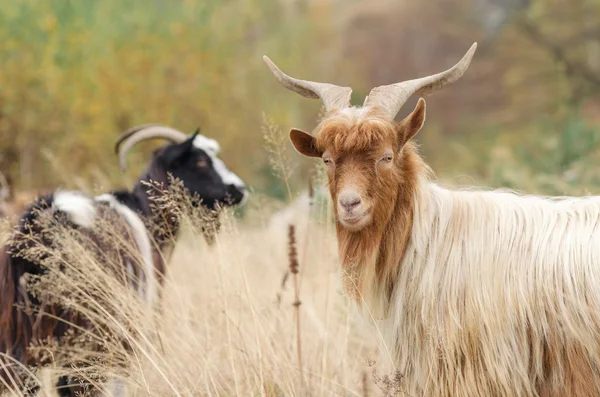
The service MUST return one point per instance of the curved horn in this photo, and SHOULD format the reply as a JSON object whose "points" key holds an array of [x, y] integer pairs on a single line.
{"points": [[333, 96], [145, 132], [130, 132], [391, 97]]}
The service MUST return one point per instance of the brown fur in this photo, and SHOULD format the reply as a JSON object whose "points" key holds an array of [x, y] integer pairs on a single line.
{"points": [[356, 147], [352, 141], [23, 318]]}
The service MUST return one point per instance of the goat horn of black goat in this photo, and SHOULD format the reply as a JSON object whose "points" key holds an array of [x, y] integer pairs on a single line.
{"points": [[129, 133], [145, 132]]}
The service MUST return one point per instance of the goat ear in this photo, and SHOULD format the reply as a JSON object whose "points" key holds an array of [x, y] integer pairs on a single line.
{"points": [[188, 144], [304, 143], [177, 152], [409, 127], [195, 134]]}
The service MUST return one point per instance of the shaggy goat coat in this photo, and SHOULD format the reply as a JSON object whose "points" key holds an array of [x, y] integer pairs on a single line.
{"points": [[495, 294], [24, 319], [477, 293]]}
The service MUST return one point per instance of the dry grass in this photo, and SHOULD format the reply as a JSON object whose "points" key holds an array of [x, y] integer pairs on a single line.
{"points": [[230, 322], [226, 327]]}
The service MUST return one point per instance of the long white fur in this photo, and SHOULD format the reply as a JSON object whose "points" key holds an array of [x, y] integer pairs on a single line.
{"points": [[79, 208], [486, 279], [147, 290]]}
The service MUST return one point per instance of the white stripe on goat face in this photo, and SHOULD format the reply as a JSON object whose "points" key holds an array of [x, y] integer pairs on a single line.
{"points": [[212, 148]]}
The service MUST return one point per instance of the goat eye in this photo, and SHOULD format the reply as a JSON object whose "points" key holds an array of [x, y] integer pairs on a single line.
{"points": [[387, 158], [202, 164]]}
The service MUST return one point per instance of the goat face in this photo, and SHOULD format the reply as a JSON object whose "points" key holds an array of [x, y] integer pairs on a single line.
{"points": [[362, 150], [195, 162], [362, 147]]}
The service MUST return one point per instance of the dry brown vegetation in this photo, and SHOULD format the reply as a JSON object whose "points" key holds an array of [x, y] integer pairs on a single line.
{"points": [[227, 324], [525, 117]]}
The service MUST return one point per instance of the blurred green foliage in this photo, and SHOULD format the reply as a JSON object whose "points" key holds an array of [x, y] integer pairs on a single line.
{"points": [[75, 74], [548, 157], [526, 116]]}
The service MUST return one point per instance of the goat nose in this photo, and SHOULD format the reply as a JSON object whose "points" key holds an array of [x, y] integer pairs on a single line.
{"points": [[349, 201]]}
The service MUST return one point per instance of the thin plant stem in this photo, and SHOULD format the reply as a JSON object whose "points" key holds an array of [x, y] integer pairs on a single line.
{"points": [[294, 269]]}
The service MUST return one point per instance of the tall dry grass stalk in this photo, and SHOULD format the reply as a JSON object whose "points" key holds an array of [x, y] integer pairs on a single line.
{"points": [[294, 270], [365, 385], [275, 142], [311, 204]]}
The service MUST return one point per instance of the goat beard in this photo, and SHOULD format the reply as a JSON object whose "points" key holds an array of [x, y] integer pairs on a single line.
{"points": [[371, 257]]}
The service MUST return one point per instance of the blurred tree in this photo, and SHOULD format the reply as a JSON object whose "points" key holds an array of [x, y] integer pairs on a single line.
{"points": [[78, 73]]}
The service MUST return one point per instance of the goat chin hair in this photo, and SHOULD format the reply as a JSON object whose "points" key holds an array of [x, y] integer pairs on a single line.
{"points": [[496, 294]]}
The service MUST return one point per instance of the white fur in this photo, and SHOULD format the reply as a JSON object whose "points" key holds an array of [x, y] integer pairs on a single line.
{"points": [[487, 281], [140, 234], [357, 115], [79, 208], [228, 177], [356, 112], [209, 145], [212, 148], [117, 388]]}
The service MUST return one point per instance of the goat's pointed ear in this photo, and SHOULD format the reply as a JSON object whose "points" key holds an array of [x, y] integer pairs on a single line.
{"points": [[188, 144], [174, 153], [195, 133], [409, 127], [304, 143]]}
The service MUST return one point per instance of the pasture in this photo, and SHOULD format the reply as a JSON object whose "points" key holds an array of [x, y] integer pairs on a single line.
{"points": [[227, 325], [261, 307]]}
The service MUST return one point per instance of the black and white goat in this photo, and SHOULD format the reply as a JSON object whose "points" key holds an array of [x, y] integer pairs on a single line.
{"points": [[191, 159]]}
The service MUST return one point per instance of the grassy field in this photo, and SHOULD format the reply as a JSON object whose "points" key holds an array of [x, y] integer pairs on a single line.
{"points": [[228, 325], [77, 74]]}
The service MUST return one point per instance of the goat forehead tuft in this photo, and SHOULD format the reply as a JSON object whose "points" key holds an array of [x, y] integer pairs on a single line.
{"points": [[79, 208], [357, 114], [355, 129], [207, 144]]}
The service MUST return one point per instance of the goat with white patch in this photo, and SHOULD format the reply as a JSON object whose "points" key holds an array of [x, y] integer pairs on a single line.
{"points": [[192, 159], [477, 293]]}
